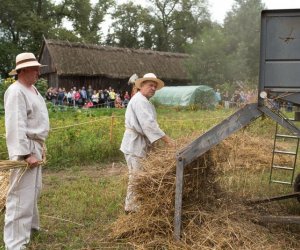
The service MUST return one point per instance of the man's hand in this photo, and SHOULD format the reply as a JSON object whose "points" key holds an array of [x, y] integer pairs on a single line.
{"points": [[169, 141], [32, 161]]}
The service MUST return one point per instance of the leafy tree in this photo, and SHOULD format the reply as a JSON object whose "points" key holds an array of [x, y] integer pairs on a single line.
{"points": [[208, 57], [23, 23], [231, 53], [167, 25], [242, 29], [129, 23], [86, 18], [178, 22]]}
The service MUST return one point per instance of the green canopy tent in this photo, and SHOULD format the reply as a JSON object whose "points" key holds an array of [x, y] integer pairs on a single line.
{"points": [[201, 96]]}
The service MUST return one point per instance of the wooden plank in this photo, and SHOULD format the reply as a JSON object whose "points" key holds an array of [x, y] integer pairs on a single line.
{"points": [[178, 197], [275, 198], [280, 219], [289, 125], [238, 120]]}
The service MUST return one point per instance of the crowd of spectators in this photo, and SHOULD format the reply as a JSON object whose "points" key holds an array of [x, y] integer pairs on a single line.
{"points": [[88, 98], [237, 99], [109, 98]]}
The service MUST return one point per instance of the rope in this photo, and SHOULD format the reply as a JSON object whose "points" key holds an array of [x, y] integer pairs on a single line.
{"points": [[79, 124]]}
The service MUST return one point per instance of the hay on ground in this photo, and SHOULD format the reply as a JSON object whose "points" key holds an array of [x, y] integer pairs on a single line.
{"points": [[211, 217]]}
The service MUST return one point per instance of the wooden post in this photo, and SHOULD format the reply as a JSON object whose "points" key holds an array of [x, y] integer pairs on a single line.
{"points": [[178, 197], [112, 121]]}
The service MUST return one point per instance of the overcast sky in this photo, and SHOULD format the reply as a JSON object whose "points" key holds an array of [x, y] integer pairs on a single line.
{"points": [[218, 8]]}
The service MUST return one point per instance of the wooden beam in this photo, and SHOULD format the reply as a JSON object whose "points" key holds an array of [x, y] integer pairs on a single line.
{"points": [[275, 198], [280, 219]]}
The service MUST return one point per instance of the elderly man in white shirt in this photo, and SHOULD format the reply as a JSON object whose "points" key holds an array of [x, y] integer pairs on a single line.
{"points": [[27, 127], [141, 131]]}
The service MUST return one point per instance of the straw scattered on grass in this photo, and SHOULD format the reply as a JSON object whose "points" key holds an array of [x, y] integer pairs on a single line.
{"points": [[212, 218]]}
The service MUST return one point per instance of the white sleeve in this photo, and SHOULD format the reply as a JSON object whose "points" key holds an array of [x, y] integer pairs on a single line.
{"points": [[148, 122], [15, 123]]}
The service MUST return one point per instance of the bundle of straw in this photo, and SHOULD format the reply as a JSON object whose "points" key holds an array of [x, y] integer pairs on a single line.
{"points": [[212, 218], [4, 179], [7, 164]]}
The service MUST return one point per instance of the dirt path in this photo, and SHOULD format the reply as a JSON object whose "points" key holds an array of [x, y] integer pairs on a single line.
{"points": [[93, 171]]}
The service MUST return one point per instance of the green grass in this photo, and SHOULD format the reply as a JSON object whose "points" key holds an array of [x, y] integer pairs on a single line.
{"points": [[84, 137], [83, 193], [76, 209]]}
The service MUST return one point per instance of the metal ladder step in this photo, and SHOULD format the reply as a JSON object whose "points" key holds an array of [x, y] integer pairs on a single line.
{"points": [[282, 182], [282, 167], [285, 152], [287, 136]]}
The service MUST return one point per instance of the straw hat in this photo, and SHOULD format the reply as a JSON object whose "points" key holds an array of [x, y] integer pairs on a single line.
{"points": [[25, 60], [149, 77]]}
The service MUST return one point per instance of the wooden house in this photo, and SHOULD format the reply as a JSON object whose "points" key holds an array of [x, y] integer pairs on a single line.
{"points": [[78, 64]]}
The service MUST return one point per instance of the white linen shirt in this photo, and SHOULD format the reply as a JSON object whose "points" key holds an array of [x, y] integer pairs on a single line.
{"points": [[142, 128], [26, 120]]}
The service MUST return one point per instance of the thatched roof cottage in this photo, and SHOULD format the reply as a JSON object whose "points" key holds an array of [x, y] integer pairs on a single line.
{"points": [[77, 64]]}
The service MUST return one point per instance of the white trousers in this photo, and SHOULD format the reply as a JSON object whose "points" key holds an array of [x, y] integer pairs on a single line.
{"points": [[21, 214], [134, 166]]}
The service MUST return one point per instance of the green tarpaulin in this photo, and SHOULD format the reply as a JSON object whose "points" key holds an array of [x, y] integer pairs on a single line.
{"points": [[201, 95]]}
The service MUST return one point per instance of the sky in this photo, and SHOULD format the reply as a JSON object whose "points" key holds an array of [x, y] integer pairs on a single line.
{"points": [[219, 8]]}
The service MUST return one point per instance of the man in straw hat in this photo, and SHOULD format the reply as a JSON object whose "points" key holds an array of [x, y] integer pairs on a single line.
{"points": [[27, 126], [141, 131]]}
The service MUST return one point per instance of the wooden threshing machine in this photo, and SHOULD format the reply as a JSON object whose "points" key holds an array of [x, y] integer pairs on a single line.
{"points": [[279, 81]]}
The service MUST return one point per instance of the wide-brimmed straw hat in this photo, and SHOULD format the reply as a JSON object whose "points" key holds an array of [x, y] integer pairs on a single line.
{"points": [[149, 77], [25, 60]]}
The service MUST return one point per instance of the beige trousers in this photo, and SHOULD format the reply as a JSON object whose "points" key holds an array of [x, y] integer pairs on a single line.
{"points": [[134, 166]]}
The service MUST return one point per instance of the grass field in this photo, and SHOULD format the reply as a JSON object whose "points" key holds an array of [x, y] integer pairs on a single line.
{"points": [[85, 177]]}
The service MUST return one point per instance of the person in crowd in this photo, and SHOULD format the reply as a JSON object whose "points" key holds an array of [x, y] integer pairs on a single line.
{"points": [[126, 99], [226, 99], [78, 99], [106, 98], [69, 97], [54, 96], [102, 100], [90, 92], [112, 98], [118, 102], [218, 97], [83, 94], [49, 94], [236, 98], [141, 131], [95, 98], [27, 127], [60, 96]]}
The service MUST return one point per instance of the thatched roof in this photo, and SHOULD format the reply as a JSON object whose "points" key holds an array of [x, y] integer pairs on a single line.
{"points": [[94, 60]]}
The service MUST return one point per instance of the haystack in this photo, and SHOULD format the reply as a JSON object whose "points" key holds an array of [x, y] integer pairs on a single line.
{"points": [[212, 218]]}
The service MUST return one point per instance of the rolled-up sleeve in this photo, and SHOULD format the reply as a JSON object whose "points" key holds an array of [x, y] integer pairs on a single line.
{"points": [[147, 120]]}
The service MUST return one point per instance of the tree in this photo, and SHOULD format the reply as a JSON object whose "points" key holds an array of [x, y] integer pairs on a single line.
{"points": [[130, 22], [208, 58], [86, 18], [178, 22], [229, 53], [167, 25], [23, 23], [242, 29]]}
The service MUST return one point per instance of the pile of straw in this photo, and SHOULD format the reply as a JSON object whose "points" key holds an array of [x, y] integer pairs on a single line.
{"points": [[6, 165], [212, 218]]}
